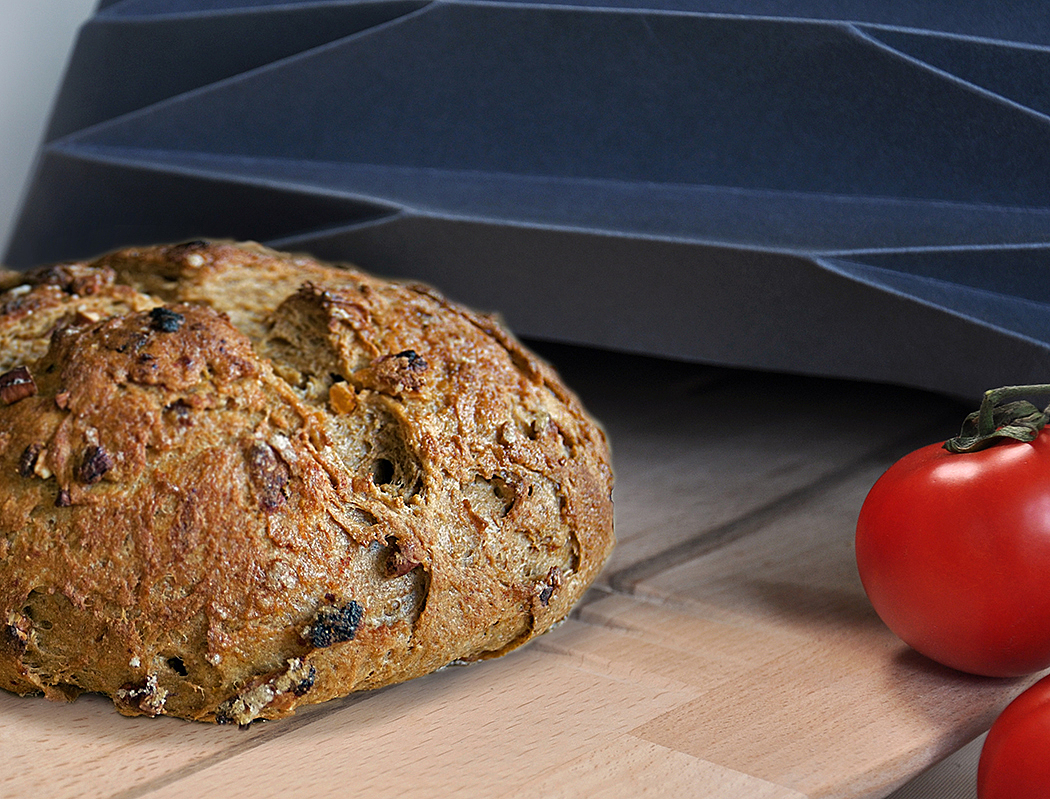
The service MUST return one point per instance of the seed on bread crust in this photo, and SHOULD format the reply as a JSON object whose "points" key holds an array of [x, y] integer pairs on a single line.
{"points": [[27, 462], [95, 463], [16, 384]]}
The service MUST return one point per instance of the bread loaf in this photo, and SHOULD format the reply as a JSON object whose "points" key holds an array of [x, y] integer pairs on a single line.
{"points": [[234, 481]]}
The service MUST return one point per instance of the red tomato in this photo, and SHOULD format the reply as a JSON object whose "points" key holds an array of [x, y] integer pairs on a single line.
{"points": [[954, 554], [1015, 760]]}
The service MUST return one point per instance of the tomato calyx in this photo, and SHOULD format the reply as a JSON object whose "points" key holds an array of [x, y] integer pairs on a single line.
{"points": [[1001, 416]]}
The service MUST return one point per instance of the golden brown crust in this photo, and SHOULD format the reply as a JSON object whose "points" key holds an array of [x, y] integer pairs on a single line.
{"points": [[234, 481]]}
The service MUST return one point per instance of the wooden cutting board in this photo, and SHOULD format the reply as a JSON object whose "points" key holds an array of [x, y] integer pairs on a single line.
{"points": [[728, 649]]}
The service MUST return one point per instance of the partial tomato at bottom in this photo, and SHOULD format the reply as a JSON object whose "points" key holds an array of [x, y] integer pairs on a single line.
{"points": [[953, 551], [1015, 759]]}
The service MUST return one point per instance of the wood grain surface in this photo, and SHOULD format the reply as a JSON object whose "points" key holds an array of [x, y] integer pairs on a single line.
{"points": [[726, 651]]}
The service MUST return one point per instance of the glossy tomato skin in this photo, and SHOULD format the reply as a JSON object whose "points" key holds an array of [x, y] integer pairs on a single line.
{"points": [[1015, 759], [954, 554]]}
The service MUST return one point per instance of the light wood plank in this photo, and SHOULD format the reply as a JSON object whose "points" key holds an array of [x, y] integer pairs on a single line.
{"points": [[63, 751], [848, 679], [697, 451], [845, 709], [476, 731], [633, 769]]}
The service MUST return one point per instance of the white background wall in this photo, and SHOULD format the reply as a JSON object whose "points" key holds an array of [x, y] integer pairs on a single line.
{"points": [[36, 38]]}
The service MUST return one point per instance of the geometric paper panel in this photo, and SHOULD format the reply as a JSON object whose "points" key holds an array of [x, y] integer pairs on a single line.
{"points": [[837, 188]]}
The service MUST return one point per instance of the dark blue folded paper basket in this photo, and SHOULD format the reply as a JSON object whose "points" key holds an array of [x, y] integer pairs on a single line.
{"points": [[841, 188]]}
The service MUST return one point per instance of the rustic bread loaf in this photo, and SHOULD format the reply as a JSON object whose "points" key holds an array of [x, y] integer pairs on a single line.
{"points": [[234, 481]]}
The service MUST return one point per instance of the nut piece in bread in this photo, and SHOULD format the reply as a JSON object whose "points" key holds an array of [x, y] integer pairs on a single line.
{"points": [[234, 481]]}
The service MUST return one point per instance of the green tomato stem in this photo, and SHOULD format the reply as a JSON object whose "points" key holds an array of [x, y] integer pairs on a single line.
{"points": [[1017, 419]]}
